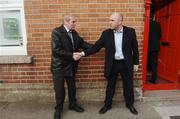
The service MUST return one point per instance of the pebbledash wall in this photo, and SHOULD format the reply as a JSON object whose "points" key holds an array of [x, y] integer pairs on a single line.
{"points": [[31, 80]]}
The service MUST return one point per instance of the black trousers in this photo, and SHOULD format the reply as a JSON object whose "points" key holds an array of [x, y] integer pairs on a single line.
{"points": [[119, 66], [152, 64], [58, 80]]}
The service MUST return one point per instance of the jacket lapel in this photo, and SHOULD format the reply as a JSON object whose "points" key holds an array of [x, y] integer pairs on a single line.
{"points": [[63, 30], [124, 39], [74, 40], [112, 42]]}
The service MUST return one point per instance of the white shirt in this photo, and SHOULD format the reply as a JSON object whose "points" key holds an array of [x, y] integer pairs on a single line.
{"points": [[118, 36], [66, 28]]}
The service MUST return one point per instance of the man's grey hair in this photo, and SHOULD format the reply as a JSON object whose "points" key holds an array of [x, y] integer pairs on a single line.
{"points": [[68, 17]]}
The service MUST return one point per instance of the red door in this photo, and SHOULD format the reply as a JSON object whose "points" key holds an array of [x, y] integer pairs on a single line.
{"points": [[169, 56]]}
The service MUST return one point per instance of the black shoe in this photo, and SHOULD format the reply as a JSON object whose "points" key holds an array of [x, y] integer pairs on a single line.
{"points": [[152, 81], [57, 114], [104, 109], [76, 108], [57, 117], [132, 109]]}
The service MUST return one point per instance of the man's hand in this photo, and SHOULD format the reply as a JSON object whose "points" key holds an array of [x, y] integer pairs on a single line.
{"points": [[76, 56], [136, 67]]}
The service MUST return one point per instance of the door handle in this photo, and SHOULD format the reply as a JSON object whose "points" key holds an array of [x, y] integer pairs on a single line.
{"points": [[165, 43]]}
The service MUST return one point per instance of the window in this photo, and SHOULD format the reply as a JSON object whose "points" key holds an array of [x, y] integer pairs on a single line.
{"points": [[13, 39]]}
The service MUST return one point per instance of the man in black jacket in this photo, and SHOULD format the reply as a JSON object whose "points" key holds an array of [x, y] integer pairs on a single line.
{"points": [[153, 48], [121, 56], [65, 41]]}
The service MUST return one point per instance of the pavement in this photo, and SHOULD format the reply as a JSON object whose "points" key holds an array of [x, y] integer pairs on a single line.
{"points": [[45, 110]]}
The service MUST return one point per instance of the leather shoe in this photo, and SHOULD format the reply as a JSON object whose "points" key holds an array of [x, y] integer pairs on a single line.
{"points": [[57, 114], [152, 81], [132, 109], [76, 108], [57, 117], [104, 109]]}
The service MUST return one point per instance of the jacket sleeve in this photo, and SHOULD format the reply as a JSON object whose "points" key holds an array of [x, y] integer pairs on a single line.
{"points": [[83, 44], [57, 47], [135, 48], [96, 47]]}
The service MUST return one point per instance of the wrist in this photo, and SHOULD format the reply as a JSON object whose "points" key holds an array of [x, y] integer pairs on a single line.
{"points": [[82, 54]]}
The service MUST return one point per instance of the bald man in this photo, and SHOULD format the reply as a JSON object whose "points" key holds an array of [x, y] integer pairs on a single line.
{"points": [[65, 41], [121, 56]]}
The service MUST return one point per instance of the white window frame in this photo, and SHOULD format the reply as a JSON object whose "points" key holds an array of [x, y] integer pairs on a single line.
{"points": [[21, 49]]}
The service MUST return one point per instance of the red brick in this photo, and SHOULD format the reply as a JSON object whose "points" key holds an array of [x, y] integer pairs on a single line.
{"points": [[92, 16]]}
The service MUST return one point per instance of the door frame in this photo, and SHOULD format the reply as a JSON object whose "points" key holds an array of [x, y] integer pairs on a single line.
{"points": [[144, 56]]}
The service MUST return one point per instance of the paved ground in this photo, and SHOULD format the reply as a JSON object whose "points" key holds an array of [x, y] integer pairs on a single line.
{"points": [[147, 110]]}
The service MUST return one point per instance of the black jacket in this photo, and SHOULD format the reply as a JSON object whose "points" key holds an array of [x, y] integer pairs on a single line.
{"points": [[129, 48], [62, 51], [154, 36]]}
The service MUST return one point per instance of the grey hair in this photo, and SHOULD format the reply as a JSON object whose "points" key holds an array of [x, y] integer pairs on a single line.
{"points": [[68, 17]]}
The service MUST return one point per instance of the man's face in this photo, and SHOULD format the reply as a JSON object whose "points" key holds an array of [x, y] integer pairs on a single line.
{"points": [[114, 22], [71, 24]]}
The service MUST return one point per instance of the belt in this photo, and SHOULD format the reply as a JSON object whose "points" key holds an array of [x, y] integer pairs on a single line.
{"points": [[118, 59]]}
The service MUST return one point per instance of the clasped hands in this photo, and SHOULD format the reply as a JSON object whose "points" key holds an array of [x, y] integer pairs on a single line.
{"points": [[77, 55]]}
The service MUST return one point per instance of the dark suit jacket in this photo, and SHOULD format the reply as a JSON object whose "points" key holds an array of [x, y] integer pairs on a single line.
{"points": [[154, 36], [62, 51], [129, 48]]}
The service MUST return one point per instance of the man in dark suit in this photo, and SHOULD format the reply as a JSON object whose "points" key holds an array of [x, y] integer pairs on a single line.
{"points": [[121, 56], [153, 48], [65, 41]]}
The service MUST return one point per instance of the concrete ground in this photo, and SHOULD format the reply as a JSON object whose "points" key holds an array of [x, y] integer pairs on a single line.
{"points": [[44, 110]]}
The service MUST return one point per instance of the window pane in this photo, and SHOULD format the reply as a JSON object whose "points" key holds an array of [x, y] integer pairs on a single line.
{"points": [[9, 1], [10, 30]]}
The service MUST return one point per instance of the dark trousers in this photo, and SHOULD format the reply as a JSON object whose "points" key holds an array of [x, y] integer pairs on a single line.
{"points": [[119, 66], [58, 80], [152, 64]]}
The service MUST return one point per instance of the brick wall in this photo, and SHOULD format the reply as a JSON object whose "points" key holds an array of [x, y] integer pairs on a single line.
{"points": [[92, 18]]}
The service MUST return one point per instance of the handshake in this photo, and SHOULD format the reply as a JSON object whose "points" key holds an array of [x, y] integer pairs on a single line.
{"points": [[78, 55]]}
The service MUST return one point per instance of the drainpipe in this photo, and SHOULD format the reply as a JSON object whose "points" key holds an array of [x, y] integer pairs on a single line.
{"points": [[145, 41]]}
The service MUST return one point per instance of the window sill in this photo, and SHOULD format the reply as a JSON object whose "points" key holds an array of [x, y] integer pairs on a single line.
{"points": [[16, 59]]}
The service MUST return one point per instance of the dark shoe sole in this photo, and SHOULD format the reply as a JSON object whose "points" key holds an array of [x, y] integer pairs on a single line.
{"points": [[104, 111]]}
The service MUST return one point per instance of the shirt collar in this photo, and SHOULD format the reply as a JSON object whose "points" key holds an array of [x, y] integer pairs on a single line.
{"points": [[67, 29], [121, 31]]}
